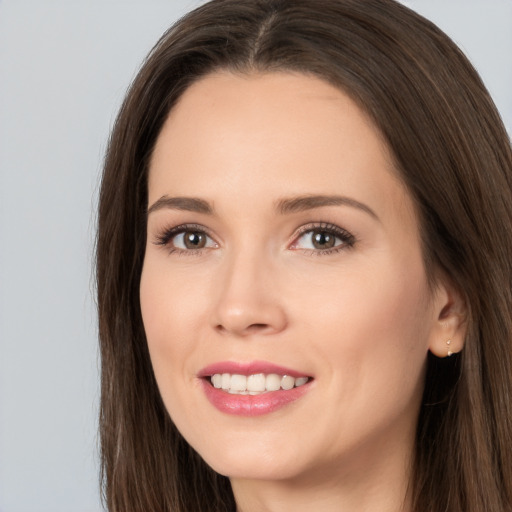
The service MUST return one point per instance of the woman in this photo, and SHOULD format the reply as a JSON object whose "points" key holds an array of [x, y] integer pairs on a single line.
{"points": [[303, 260]]}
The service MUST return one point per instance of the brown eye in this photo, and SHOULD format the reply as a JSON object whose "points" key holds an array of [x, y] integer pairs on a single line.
{"points": [[322, 239], [194, 240], [183, 238]]}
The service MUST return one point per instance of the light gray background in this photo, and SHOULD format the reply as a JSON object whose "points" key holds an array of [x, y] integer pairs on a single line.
{"points": [[64, 67]]}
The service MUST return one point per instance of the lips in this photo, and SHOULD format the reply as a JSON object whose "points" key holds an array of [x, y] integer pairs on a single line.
{"points": [[250, 389]]}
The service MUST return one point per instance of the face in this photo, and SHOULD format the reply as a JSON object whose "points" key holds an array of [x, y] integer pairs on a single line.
{"points": [[283, 293]]}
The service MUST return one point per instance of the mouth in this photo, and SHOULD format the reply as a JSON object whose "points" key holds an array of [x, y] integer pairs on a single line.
{"points": [[255, 384], [251, 389]]}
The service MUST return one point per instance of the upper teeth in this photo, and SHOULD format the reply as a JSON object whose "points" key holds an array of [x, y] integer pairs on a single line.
{"points": [[255, 384]]}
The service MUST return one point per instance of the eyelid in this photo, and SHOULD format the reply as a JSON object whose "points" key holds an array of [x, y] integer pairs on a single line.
{"points": [[164, 236], [348, 240]]}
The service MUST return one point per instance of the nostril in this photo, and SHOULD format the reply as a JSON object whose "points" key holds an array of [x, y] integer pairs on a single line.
{"points": [[256, 327], [250, 329]]}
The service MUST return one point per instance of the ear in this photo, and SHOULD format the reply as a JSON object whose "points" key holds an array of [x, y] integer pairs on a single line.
{"points": [[449, 328]]}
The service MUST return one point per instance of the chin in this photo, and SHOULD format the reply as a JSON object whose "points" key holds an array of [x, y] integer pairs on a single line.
{"points": [[251, 469], [252, 461]]}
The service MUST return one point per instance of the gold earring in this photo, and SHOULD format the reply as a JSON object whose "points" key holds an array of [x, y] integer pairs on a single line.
{"points": [[449, 342]]}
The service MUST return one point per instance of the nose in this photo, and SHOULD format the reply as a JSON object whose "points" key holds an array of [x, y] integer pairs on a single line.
{"points": [[249, 300]]}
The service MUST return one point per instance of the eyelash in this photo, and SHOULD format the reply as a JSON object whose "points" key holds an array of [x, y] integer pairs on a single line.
{"points": [[347, 239], [167, 235]]}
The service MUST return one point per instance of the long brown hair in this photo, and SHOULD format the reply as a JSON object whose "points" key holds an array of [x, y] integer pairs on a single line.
{"points": [[451, 152]]}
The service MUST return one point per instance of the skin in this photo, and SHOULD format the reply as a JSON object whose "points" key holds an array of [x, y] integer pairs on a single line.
{"points": [[359, 319]]}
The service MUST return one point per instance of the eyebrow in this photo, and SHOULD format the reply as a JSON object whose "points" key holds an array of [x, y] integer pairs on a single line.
{"points": [[189, 204], [283, 206], [310, 202]]}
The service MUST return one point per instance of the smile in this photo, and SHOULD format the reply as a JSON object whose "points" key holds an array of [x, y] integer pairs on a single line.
{"points": [[254, 388], [255, 384]]}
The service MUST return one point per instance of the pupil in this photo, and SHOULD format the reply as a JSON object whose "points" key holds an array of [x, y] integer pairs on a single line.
{"points": [[323, 240], [194, 240]]}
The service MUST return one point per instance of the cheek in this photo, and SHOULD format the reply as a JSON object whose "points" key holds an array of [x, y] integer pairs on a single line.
{"points": [[378, 299], [171, 302], [164, 314], [371, 328], [168, 316]]}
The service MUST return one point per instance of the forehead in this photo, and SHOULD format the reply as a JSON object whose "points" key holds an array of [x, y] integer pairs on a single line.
{"points": [[274, 134]]}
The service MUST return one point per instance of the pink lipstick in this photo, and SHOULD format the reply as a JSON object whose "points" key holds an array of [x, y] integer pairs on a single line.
{"points": [[254, 388]]}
